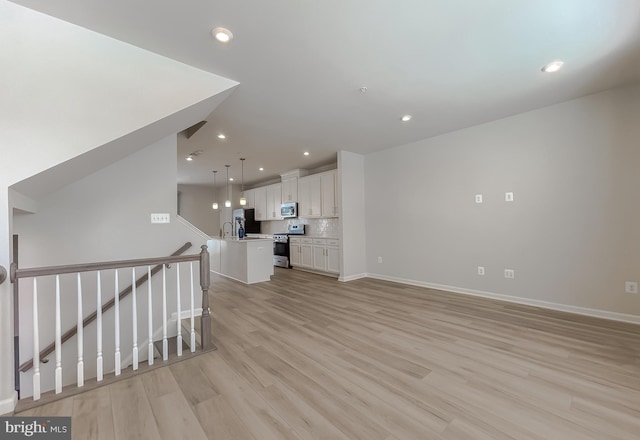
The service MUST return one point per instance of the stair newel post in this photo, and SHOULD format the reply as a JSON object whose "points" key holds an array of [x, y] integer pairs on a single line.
{"points": [[205, 319], [13, 269]]}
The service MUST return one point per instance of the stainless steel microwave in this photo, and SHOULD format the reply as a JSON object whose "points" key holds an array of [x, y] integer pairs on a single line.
{"points": [[289, 210]]}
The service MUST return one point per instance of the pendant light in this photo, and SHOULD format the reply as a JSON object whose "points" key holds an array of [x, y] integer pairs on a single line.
{"points": [[227, 203], [243, 200], [214, 205]]}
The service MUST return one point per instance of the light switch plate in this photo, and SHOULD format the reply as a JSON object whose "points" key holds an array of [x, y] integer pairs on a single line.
{"points": [[478, 198], [508, 197], [160, 218]]}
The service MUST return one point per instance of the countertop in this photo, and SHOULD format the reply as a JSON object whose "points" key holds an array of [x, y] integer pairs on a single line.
{"points": [[246, 239]]}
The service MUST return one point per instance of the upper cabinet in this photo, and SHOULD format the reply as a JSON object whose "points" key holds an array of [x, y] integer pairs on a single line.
{"points": [[250, 195], [318, 195], [260, 198], [290, 189], [309, 191], [274, 200], [329, 190]]}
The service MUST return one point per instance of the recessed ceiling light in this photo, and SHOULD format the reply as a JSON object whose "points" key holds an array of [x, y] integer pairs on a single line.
{"points": [[189, 158], [553, 66], [230, 179], [306, 153], [406, 118], [221, 136], [221, 34], [260, 169]]}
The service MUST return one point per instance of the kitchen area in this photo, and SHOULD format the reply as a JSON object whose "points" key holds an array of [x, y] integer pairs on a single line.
{"points": [[292, 224]]}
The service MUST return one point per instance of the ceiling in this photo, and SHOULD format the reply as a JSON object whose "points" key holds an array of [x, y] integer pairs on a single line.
{"points": [[301, 63]]}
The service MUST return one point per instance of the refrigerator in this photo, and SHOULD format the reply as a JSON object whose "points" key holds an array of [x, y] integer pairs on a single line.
{"points": [[251, 226]]}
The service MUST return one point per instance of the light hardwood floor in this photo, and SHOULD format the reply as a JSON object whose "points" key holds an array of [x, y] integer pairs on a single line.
{"points": [[305, 356]]}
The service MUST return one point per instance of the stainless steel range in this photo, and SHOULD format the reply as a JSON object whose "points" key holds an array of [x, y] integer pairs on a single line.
{"points": [[281, 245]]}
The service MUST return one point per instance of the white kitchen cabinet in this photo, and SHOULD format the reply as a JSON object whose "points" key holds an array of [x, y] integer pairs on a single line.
{"points": [[320, 258], [301, 252], [306, 252], [294, 254], [326, 255], [310, 195], [328, 184], [250, 195], [274, 200], [290, 190], [260, 198], [333, 259]]}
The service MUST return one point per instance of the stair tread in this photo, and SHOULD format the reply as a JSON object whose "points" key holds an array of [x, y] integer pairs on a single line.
{"points": [[172, 345]]}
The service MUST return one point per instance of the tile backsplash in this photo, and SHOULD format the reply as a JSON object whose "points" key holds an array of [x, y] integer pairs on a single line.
{"points": [[319, 227]]}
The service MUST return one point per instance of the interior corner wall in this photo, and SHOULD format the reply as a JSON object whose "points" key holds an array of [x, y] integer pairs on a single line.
{"points": [[352, 220], [195, 206], [106, 215], [572, 233]]}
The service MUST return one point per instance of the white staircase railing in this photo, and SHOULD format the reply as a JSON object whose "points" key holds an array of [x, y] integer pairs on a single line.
{"points": [[118, 267]]}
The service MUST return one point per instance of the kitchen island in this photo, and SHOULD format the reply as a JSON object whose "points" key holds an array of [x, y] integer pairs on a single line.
{"points": [[248, 260]]}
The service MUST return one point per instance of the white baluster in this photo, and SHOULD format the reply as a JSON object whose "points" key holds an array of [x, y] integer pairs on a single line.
{"points": [[193, 319], [134, 312], [150, 355], [179, 321], [58, 374], [80, 335], [117, 327], [99, 360], [165, 344], [36, 344]]}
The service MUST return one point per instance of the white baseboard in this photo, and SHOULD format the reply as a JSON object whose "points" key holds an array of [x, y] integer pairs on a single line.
{"points": [[9, 404], [604, 314], [353, 277]]}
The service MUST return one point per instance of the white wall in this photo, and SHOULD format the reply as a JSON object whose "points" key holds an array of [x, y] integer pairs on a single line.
{"points": [[103, 217], [195, 206], [352, 207], [7, 394], [572, 235]]}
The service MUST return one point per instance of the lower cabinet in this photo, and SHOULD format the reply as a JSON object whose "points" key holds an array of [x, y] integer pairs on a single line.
{"points": [[301, 252], [320, 254]]}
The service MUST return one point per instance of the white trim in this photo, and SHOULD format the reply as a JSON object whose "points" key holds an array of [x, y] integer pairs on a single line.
{"points": [[9, 404], [604, 314], [193, 228], [353, 277], [186, 314], [231, 278]]}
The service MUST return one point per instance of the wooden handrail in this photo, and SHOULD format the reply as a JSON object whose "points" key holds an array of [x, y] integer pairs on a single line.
{"points": [[55, 270]]}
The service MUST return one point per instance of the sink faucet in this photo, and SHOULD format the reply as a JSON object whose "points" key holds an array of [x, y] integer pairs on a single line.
{"points": [[225, 224]]}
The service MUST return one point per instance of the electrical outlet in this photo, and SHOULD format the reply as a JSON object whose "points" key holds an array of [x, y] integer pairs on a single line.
{"points": [[160, 218], [379, 259], [509, 273], [480, 270], [508, 197], [478, 198], [631, 287]]}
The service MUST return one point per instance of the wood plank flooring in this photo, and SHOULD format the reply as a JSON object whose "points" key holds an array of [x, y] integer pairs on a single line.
{"points": [[307, 357]]}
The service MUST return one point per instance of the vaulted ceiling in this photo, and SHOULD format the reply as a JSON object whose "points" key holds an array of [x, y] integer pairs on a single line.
{"points": [[301, 65]]}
